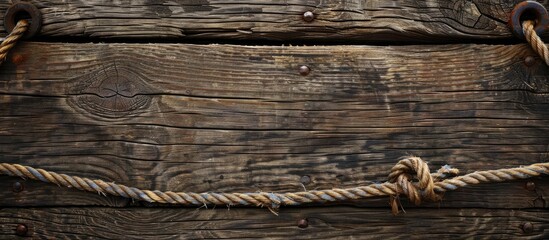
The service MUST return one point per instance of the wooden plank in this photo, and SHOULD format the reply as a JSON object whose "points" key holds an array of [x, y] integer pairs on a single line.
{"points": [[355, 20], [238, 223], [237, 118]]}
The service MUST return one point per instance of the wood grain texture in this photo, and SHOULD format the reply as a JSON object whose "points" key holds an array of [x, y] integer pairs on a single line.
{"points": [[240, 118], [353, 20], [239, 223]]}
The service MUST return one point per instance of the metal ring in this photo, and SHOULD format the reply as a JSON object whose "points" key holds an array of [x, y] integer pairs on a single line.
{"points": [[529, 7], [35, 20]]}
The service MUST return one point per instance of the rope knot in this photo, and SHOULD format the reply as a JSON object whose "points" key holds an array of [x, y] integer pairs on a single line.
{"points": [[418, 188]]}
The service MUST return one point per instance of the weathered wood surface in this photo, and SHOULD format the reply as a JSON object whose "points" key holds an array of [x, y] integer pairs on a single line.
{"points": [[236, 118], [358, 20], [238, 223]]}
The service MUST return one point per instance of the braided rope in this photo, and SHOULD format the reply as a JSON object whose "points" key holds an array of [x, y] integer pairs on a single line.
{"points": [[535, 41], [428, 187], [10, 41]]}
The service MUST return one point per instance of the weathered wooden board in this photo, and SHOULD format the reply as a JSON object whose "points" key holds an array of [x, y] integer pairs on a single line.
{"points": [[353, 20], [237, 118], [238, 223]]}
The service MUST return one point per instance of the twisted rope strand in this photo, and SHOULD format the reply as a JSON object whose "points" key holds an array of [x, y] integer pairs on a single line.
{"points": [[535, 41], [429, 186], [10, 41]]}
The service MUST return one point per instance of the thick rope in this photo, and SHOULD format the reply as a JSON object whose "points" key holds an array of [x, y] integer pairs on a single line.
{"points": [[535, 41], [424, 186], [10, 41]]}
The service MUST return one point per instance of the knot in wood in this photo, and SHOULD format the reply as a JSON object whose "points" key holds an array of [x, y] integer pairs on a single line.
{"points": [[113, 91], [402, 176]]}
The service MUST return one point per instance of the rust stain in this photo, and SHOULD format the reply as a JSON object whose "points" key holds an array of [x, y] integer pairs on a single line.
{"points": [[18, 59]]}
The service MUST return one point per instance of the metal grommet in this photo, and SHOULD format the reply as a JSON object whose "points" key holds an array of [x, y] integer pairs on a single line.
{"points": [[19, 10], [528, 10]]}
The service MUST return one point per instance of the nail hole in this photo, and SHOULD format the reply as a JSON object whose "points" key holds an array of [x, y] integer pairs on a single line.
{"points": [[22, 15], [530, 14]]}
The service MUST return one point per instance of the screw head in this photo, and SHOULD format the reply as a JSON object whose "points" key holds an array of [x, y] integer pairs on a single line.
{"points": [[304, 70], [527, 227], [308, 16], [17, 187], [531, 186], [303, 223], [21, 230], [305, 180], [529, 61]]}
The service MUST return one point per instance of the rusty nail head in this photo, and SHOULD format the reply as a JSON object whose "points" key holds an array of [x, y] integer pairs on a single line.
{"points": [[303, 223], [21, 230], [531, 186], [529, 61], [23, 9], [527, 227], [305, 180], [308, 16], [17, 187], [304, 70]]}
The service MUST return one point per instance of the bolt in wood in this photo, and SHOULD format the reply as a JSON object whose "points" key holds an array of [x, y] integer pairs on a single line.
{"points": [[308, 16], [303, 223], [17, 187], [21, 230], [529, 61], [304, 70], [527, 227], [531, 186]]}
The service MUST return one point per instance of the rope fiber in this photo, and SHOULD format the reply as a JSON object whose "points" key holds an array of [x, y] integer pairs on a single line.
{"points": [[10, 40], [425, 186], [535, 41]]}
